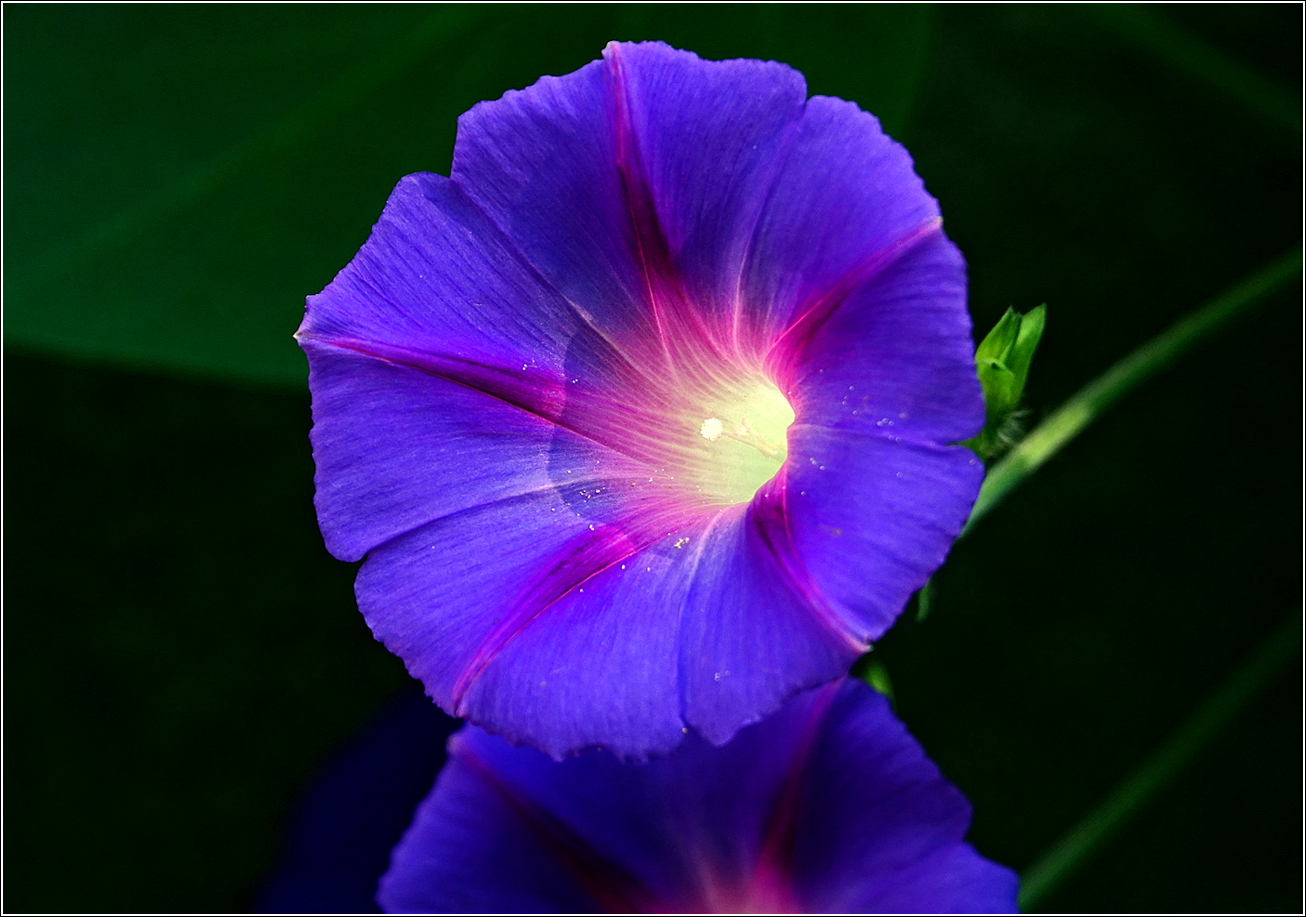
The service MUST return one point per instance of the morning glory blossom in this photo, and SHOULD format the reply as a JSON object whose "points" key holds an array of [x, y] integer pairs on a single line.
{"points": [[827, 806], [642, 419]]}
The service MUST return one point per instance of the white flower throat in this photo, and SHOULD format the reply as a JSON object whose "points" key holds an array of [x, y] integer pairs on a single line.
{"points": [[736, 442]]}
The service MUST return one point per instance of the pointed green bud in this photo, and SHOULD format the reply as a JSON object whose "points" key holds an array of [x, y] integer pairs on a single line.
{"points": [[1002, 362], [873, 672], [1022, 352], [924, 600], [877, 676]]}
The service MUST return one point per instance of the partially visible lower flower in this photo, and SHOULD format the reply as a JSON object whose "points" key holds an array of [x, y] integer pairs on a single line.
{"points": [[642, 418], [827, 806]]}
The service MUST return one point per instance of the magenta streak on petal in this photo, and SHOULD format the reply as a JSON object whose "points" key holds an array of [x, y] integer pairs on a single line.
{"points": [[770, 887], [780, 359], [778, 839], [688, 343], [630, 364], [791, 137], [769, 516], [534, 393], [611, 887], [633, 418], [648, 235], [579, 562], [609, 424]]}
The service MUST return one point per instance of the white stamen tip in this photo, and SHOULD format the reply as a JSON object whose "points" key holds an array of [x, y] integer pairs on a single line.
{"points": [[711, 429]]}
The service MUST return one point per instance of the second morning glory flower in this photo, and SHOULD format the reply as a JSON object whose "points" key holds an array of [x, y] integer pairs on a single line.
{"points": [[642, 417], [827, 806]]}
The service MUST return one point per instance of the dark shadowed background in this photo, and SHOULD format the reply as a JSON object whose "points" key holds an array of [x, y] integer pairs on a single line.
{"points": [[181, 655]]}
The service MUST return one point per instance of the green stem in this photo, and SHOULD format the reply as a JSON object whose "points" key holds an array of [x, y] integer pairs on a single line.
{"points": [[1084, 407], [1240, 688]]}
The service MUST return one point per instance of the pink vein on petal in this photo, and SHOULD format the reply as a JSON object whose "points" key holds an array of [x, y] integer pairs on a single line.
{"points": [[478, 377], [778, 838], [681, 326], [587, 557], [780, 357], [643, 219], [769, 515], [611, 887]]}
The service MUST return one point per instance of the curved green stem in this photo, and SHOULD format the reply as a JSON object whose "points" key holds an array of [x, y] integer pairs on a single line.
{"points": [[1065, 423], [1237, 691]]}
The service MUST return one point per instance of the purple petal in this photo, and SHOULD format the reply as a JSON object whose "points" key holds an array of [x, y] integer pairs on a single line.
{"points": [[474, 821], [438, 287], [845, 205], [702, 627], [596, 666], [440, 367], [753, 632], [953, 880], [634, 185], [827, 805], [896, 357], [543, 163], [872, 517], [436, 278], [526, 637], [913, 859], [631, 636], [707, 139], [397, 447]]}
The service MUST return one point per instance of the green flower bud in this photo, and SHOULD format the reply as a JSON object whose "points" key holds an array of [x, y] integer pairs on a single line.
{"points": [[874, 674], [877, 676], [1002, 362]]}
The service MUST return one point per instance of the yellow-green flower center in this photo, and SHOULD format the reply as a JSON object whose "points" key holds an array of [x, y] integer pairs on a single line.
{"points": [[733, 440]]}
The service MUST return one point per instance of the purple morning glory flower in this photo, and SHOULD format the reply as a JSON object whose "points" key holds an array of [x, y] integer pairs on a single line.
{"points": [[827, 806], [642, 417]]}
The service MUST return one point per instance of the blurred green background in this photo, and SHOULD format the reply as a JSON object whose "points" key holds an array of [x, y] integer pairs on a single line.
{"points": [[180, 652]]}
